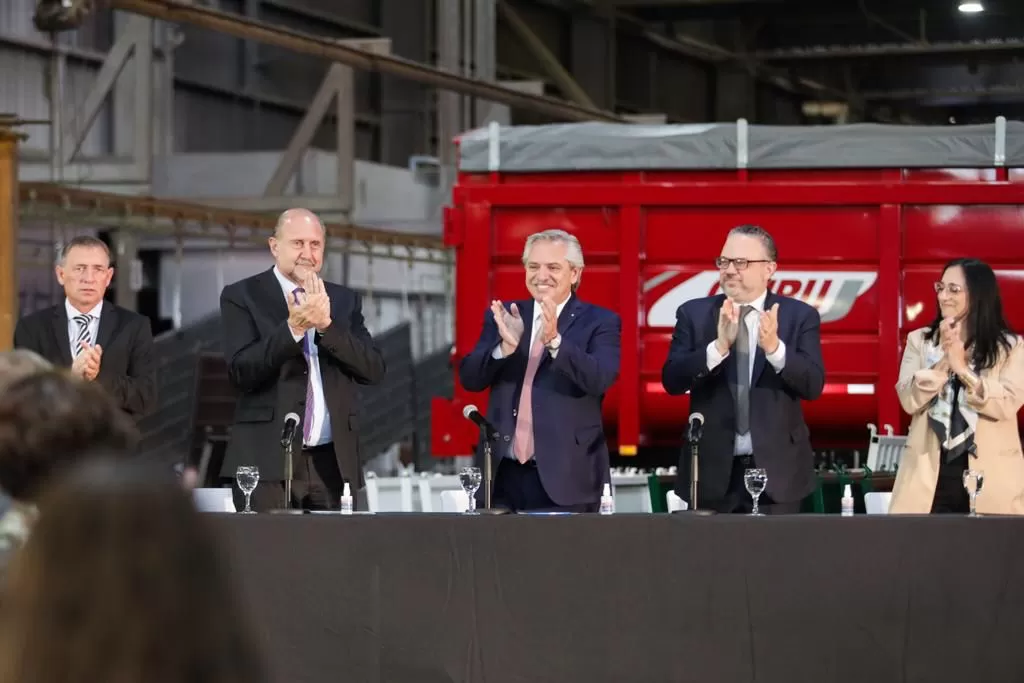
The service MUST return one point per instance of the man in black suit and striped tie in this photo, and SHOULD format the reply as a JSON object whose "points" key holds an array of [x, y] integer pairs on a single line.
{"points": [[97, 340]]}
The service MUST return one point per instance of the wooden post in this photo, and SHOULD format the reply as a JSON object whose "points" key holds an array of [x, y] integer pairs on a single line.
{"points": [[9, 139]]}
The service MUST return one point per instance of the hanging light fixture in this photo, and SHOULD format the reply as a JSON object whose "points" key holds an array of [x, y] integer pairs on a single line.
{"points": [[971, 6]]}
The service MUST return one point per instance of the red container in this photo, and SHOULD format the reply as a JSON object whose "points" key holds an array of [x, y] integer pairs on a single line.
{"points": [[863, 245]]}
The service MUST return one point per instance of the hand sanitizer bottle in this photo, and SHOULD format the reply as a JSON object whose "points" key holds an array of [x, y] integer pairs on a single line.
{"points": [[346, 500], [846, 505], [607, 502]]}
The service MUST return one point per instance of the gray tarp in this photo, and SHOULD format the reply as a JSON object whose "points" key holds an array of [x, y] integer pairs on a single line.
{"points": [[610, 146]]}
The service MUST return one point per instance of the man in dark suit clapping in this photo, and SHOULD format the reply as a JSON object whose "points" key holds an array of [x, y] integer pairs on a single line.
{"points": [[748, 357], [548, 361], [294, 343], [97, 340]]}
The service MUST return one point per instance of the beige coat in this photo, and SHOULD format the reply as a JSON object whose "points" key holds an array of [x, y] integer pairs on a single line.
{"points": [[997, 437]]}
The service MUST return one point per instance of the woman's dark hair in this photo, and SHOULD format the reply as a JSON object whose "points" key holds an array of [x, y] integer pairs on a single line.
{"points": [[50, 420], [123, 581], [987, 330]]}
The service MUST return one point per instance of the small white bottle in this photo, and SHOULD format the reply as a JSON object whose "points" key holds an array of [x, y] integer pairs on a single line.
{"points": [[346, 500], [607, 502], [846, 504]]}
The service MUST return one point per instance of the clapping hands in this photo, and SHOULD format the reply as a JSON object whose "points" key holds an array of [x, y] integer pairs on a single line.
{"points": [[310, 309]]}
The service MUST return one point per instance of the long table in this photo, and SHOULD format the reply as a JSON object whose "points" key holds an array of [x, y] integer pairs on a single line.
{"points": [[418, 598]]}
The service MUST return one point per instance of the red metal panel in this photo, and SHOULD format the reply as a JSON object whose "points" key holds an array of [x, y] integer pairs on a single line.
{"points": [[752, 194], [936, 234], [695, 233]]}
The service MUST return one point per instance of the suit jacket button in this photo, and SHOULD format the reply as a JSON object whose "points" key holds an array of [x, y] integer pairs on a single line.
{"points": [[514, 412]]}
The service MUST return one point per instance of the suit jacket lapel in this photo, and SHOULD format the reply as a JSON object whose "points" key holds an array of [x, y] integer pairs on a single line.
{"points": [[526, 313], [108, 323], [570, 312], [274, 294], [568, 315], [60, 333]]}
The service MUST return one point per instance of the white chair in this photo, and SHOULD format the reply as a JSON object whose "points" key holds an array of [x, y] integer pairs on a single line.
{"points": [[405, 490], [372, 493], [877, 502], [213, 500], [884, 452], [674, 503], [454, 501], [426, 496]]}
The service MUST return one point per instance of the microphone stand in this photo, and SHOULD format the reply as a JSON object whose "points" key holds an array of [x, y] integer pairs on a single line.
{"points": [[488, 508], [288, 473], [693, 437], [694, 464]]}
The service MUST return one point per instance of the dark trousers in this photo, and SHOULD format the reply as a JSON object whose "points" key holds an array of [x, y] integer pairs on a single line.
{"points": [[316, 484], [950, 495], [517, 487], [738, 501]]}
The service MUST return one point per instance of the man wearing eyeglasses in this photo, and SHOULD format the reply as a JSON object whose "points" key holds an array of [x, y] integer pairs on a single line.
{"points": [[748, 357]]}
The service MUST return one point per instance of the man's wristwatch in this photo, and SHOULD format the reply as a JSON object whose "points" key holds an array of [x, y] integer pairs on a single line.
{"points": [[555, 343]]}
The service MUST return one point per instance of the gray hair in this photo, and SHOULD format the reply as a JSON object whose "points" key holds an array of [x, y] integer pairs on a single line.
{"points": [[761, 234], [18, 364], [83, 241], [573, 250]]}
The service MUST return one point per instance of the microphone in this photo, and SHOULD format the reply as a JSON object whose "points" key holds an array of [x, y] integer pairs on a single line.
{"points": [[696, 428], [471, 413], [291, 423]]}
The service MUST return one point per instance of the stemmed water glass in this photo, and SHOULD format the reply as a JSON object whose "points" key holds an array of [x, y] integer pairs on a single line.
{"points": [[973, 481], [247, 476], [754, 480], [469, 477]]}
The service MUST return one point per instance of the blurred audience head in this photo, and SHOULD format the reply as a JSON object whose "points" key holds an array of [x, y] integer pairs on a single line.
{"points": [[19, 363], [122, 581], [50, 420]]}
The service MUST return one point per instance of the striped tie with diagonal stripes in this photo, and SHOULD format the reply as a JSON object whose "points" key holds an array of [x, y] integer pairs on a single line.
{"points": [[83, 333]]}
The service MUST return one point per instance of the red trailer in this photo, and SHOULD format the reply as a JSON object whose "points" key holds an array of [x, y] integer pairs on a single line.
{"points": [[864, 216]]}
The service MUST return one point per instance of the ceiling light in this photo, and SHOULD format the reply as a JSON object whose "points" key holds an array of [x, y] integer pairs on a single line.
{"points": [[969, 7]]}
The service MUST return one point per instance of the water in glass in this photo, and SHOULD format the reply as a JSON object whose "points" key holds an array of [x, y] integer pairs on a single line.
{"points": [[754, 480], [974, 480], [247, 477], [469, 477]]}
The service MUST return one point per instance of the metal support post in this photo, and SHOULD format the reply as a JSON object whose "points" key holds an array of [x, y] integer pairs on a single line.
{"points": [[9, 139], [337, 87]]}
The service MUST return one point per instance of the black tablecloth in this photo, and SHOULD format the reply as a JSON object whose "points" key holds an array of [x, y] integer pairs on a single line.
{"points": [[634, 598]]}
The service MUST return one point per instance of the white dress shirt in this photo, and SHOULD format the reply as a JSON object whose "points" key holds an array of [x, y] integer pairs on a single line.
{"points": [[321, 431], [777, 359], [536, 330], [94, 324]]}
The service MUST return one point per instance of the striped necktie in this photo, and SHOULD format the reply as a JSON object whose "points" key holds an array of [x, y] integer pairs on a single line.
{"points": [[83, 335]]}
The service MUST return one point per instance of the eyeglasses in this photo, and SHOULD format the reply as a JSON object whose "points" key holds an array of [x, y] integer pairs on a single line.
{"points": [[740, 263], [940, 287]]}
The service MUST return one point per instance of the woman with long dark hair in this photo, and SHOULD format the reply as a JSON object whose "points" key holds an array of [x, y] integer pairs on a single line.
{"points": [[962, 381], [123, 581]]}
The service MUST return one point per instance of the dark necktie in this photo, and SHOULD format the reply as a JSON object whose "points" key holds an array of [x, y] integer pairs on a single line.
{"points": [[742, 348]]}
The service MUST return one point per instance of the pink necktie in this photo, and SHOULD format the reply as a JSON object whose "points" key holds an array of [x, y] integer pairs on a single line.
{"points": [[523, 444]]}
